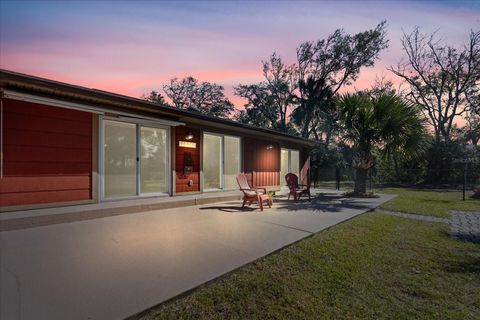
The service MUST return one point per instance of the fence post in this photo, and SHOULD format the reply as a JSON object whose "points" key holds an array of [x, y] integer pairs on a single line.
{"points": [[370, 174], [465, 177]]}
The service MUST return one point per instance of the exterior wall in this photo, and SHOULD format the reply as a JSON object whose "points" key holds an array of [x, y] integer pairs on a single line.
{"points": [[50, 157], [261, 165], [181, 180], [305, 166], [47, 154]]}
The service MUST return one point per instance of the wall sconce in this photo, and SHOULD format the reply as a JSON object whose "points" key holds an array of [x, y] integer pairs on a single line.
{"points": [[269, 146], [189, 135]]}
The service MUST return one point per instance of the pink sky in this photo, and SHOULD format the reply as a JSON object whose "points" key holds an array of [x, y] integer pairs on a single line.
{"points": [[134, 47]]}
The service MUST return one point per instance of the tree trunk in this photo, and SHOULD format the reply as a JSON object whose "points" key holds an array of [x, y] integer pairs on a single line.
{"points": [[397, 172], [361, 181]]}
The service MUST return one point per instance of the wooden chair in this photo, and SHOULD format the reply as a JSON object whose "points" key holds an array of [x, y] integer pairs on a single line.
{"points": [[476, 192], [251, 195], [297, 190]]}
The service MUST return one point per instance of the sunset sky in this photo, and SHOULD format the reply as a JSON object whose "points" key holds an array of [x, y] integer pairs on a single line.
{"points": [[133, 47]]}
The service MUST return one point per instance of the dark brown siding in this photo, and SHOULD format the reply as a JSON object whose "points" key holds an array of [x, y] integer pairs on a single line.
{"points": [[181, 180], [47, 154], [261, 165], [305, 166]]}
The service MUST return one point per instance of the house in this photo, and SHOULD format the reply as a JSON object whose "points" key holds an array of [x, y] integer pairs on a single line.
{"points": [[63, 144]]}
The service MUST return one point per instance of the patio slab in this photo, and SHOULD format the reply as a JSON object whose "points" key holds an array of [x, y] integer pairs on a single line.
{"points": [[114, 267]]}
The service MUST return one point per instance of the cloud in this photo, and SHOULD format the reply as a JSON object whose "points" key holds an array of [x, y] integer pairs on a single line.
{"points": [[133, 47]]}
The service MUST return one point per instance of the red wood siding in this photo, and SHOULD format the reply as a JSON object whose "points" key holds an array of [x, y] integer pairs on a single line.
{"points": [[47, 154], [261, 165], [181, 180], [305, 167]]}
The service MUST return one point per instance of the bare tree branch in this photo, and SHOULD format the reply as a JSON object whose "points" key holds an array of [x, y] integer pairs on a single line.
{"points": [[443, 79]]}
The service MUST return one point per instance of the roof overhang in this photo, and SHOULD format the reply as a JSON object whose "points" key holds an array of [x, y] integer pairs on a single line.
{"points": [[29, 88], [85, 107]]}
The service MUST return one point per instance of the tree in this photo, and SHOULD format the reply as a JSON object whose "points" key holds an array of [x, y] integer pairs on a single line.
{"points": [[306, 88], [387, 123], [326, 66], [442, 79], [271, 99], [252, 117], [471, 130], [205, 97], [155, 97], [382, 86], [473, 99], [316, 107]]}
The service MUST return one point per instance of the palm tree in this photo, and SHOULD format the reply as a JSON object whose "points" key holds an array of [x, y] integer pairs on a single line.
{"points": [[385, 122], [316, 109]]}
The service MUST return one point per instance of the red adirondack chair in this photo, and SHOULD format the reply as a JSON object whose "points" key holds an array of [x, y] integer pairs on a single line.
{"points": [[297, 190], [252, 194]]}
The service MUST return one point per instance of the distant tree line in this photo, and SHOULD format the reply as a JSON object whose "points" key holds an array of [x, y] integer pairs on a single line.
{"points": [[415, 126], [190, 94]]}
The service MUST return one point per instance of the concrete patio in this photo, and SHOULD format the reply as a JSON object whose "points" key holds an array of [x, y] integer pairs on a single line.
{"points": [[117, 266]]}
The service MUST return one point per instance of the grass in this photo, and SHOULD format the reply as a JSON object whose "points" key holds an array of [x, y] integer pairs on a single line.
{"points": [[373, 266], [428, 202], [420, 201], [344, 185]]}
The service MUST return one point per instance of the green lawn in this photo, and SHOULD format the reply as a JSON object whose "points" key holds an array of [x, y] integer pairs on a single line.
{"points": [[371, 267], [428, 202]]}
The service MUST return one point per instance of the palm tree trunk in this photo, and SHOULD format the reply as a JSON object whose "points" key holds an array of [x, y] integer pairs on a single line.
{"points": [[361, 181], [397, 171]]}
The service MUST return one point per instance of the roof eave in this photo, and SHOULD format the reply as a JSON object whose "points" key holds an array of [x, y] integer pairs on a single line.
{"points": [[24, 82]]}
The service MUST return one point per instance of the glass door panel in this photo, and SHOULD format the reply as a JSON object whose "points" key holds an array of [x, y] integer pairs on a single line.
{"points": [[289, 162], [153, 160], [120, 159], [212, 161], [295, 162], [284, 168], [232, 162]]}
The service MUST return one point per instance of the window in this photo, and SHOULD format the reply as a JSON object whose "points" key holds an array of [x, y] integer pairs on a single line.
{"points": [[289, 162], [221, 161], [135, 159]]}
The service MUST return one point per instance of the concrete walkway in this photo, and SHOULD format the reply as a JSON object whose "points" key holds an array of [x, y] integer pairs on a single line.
{"points": [[414, 216], [114, 267], [464, 225]]}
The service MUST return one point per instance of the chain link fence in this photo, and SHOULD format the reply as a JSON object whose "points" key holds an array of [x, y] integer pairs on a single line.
{"points": [[461, 174]]}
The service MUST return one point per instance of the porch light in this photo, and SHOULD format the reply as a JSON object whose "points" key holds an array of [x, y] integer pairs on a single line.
{"points": [[189, 135], [269, 146]]}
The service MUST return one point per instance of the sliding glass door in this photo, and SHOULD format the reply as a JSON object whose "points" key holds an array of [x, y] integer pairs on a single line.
{"points": [[120, 159], [295, 162], [135, 160], [284, 165], [153, 160], [289, 162], [212, 162], [231, 161], [221, 161]]}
